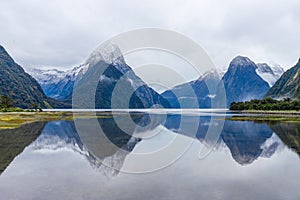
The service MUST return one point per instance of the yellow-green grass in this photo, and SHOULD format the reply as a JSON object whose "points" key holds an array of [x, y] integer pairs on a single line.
{"points": [[267, 118], [16, 119], [272, 112]]}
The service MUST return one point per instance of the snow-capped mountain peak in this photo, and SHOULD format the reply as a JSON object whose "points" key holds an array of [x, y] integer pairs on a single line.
{"points": [[58, 84], [241, 61], [47, 75], [270, 73], [277, 68], [214, 73], [264, 68], [73, 73], [108, 52]]}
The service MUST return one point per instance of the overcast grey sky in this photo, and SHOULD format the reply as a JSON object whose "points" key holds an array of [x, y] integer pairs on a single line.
{"points": [[61, 33]]}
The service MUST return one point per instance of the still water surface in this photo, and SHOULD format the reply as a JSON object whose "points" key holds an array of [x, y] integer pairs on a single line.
{"points": [[247, 160]]}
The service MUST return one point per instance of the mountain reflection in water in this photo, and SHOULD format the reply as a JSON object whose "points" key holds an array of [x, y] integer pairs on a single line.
{"points": [[247, 141], [248, 159]]}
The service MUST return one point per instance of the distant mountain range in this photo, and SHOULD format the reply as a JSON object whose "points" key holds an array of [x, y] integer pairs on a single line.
{"points": [[244, 80], [110, 62], [55, 83], [194, 94], [288, 85], [269, 73], [25, 90]]}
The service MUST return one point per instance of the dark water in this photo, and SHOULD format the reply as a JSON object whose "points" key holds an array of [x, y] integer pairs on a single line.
{"points": [[151, 156]]}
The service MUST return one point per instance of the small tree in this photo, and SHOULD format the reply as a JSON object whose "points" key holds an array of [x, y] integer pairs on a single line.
{"points": [[36, 107], [287, 99], [5, 102]]}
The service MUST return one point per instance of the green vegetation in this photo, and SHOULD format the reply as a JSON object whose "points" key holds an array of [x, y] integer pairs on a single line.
{"points": [[267, 104], [287, 85], [16, 84], [14, 120], [5, 102], [11, 120], [266, 119], [13, 110], [7, 105]]}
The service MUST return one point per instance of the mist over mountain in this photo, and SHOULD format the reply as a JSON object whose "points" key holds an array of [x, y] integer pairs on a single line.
{"points": [[244, 80], [241, 81], [114, 71], [270, 73], [288, 85], [55, 83], [195, 94]]}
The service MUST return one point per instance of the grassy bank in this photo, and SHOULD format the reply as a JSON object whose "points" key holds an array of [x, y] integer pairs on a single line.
{"points": [[9, 120], [265, 119], [272, 112], [15, 119], [289, 116]]}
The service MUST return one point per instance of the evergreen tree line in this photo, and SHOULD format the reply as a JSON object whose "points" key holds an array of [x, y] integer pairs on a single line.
{"points": [[7, 105], [267, 103]]}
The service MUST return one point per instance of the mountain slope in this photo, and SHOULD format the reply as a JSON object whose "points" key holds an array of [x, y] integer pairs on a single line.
{"points": [[107, 67], [288, 85], [116, 79], [244, 80], [269, 73], [55, 83], [20, 86], [48, 78], [241, 81], [194, 94]]}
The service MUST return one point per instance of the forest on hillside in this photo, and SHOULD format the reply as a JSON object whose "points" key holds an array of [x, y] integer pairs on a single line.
{"points": [[267, 104]]}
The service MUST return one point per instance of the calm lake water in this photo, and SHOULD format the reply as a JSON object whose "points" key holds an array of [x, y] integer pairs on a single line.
{"points": [[188, 155]]}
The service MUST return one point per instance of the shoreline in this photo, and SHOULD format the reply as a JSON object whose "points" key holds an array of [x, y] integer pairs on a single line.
{"points": [[266, 116], [11, 120], [262, 116], [270, 112]]}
